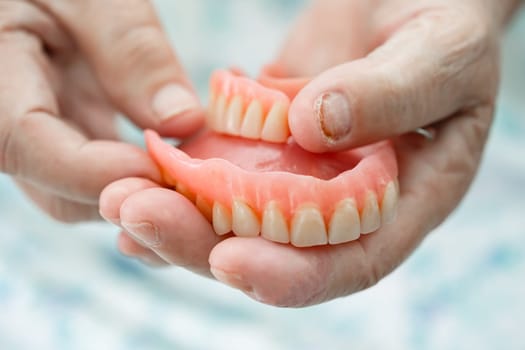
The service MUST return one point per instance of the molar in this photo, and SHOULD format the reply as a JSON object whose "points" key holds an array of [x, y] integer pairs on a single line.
{"points": [[204, 207], [253, 121], [222, 219], [308, 227], [345, 224], [276, 125], [370, 215], [274, 226], [245, 222]]}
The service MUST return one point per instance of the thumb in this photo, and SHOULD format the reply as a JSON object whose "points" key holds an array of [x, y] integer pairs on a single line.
{"points": [[131, 56], [434, 65]]}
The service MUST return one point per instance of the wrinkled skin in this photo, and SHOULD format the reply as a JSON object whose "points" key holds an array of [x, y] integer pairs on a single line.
{"points": [[427, 62], [66, 68]]}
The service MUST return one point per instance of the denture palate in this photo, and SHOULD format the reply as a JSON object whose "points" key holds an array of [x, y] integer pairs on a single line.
{"points": [[248, 177]]}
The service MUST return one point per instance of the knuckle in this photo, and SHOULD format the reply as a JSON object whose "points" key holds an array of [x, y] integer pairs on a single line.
{"points": [[366, 274], [460, 47], [16, 149], [8, 162], [463, 36], [62, 212], [66, 211], [469, 40], [32, 20], [8, 11], [142, 52], [13, 147], [472, 55], [375, 272], [56, 207], [60, 215], [307, 288]]}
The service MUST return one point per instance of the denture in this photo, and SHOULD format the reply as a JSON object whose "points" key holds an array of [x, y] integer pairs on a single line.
{"points": [[248, 176]]}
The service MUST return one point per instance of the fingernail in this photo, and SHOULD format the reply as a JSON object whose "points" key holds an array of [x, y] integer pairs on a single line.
{"points": [[233, 280], [145, 233], [173, 100], [114, 221], [333, 113]]}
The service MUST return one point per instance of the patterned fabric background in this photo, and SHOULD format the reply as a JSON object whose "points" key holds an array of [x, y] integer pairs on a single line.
{"points": [[67, 287]]}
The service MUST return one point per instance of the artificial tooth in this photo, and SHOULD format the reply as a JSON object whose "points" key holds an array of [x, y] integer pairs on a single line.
{"points": [[222, 219], [233, 119], [204, 207], [345, 224], [276, 125], [212, 106], [168, 179], [219, 114], [245, 223], [370, 216], [308, 227], [253, 121], [389, 203], [186, 192], [274, 226]]}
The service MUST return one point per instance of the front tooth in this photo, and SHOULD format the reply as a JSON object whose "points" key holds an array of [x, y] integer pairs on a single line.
{"points": [[345, 224], [389, 203], [308, 227], [245, 222], [212, 106], [222, 219], [274, 226], [370, 216], [204, 207], [186, 192], [253, 121], [219, 113], [276, 125], [234, 116]]}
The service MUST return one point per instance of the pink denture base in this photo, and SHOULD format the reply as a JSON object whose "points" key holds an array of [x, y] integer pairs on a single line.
{"points": [[223, 168], [231, 84]]}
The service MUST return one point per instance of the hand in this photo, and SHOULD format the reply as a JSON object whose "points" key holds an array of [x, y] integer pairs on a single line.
{"points": [[397, 65], [66, 68]]}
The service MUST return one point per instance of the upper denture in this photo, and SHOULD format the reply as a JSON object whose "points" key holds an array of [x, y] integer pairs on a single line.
{"points": [[242, 107], [247, 186], [274, 76]]}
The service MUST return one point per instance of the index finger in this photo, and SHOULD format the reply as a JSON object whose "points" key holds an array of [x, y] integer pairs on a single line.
{"points": [[38, 147]]}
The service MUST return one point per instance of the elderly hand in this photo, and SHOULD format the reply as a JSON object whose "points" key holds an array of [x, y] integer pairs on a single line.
{"points": [[397, 65], [66, 68]]}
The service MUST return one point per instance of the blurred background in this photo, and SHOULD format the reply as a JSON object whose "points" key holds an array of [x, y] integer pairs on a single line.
{"points": [[67, 287]]}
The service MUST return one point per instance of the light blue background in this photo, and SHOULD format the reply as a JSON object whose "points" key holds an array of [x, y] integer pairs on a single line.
{"points": [[67, 287]]}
